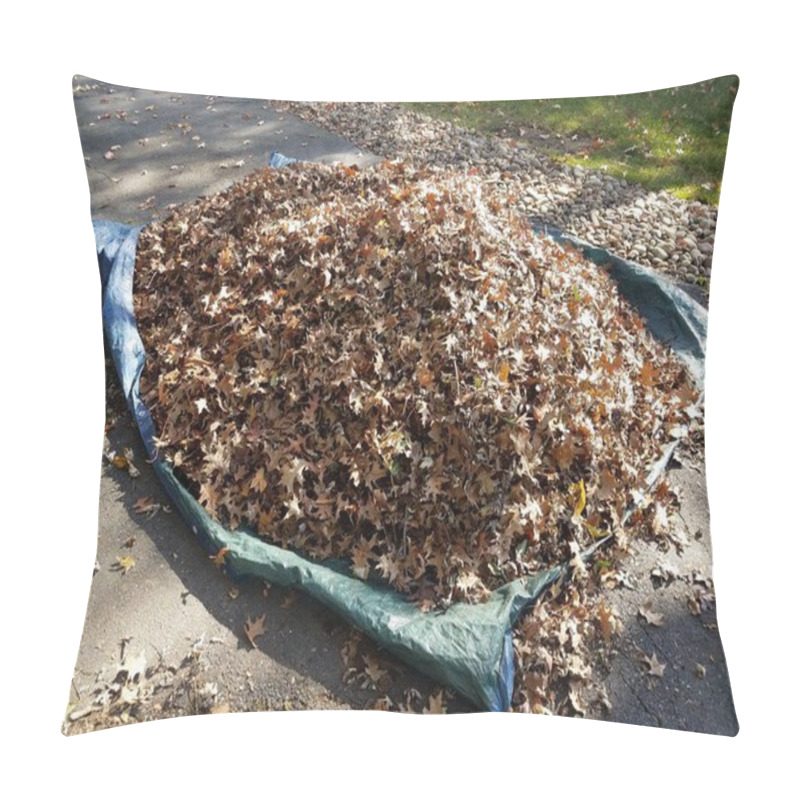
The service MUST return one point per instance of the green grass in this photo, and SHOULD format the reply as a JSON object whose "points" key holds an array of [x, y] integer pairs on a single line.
{"points": [[673, 139]]}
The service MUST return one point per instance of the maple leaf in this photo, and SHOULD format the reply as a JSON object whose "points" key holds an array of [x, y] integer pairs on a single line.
{"points": [[219, 558], [654, 667], [254, 628]]}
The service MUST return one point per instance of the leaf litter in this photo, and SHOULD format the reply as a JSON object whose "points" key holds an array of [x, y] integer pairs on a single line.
{"points": [[389, 366]]}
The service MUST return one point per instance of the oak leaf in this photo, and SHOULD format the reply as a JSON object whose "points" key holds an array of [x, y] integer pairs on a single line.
{"points": [[650, 616], [654, 667], [436, 704], [254, 628]]}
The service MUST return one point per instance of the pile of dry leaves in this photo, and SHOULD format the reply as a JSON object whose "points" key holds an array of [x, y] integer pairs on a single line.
{"points": [[389, 366]]}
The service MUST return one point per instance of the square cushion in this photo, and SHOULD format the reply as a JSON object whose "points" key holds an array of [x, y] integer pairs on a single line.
{"points": [[187, 590]]}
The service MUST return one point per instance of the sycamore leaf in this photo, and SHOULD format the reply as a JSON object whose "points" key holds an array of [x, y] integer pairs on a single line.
{"points": [[254, 628]]}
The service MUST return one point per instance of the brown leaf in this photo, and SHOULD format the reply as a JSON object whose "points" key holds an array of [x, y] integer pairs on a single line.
{"points": [[373, 670], [259, 482], [254, 628], [650, 616], [608, 620], [436, 704], [653, 666], [147, 506]]}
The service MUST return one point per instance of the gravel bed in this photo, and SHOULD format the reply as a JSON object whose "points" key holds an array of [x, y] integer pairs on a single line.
{"points": [[654, 229]]}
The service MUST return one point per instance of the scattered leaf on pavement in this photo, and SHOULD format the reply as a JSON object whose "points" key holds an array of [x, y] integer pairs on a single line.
{"points": [[124, 563], [254, 628], [650, 616], [654, 667]]}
